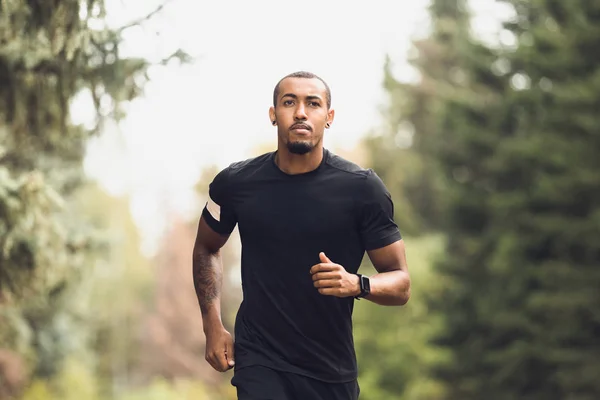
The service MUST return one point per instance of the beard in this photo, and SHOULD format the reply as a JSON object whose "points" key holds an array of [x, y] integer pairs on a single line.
{"points": [[299, 147]]}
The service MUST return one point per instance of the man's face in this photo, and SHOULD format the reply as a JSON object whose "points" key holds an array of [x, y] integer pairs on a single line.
{"points": [[301, 114]]}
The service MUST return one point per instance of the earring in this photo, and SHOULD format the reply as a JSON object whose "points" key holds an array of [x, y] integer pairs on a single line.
{"points": [[327, 125], [274, 122]]}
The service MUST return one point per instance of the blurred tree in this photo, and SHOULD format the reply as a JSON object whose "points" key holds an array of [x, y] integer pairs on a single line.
{"points": [[122, 276], [392, 343], [520, 145], [404, 154], [50, 54], [172, 346], [394, 360]]}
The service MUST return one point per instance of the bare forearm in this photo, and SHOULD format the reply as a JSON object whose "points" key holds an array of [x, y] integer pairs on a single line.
{"points": [[208, 278], [390, 288]]}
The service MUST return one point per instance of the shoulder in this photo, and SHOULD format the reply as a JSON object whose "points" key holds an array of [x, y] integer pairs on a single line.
{"points": [[371, 185], [250, 164], [365, 176], [241, 169], [237, 172], [346, 167], [368, 184], [374, 185]]}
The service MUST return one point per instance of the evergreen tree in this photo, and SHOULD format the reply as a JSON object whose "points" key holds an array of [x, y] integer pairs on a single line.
{"points": [[392, 344], [519, 144], [394, 361], [50, 52], [404, 154]]}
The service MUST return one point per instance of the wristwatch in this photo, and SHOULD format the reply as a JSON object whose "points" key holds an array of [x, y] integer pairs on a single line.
{"points": [[365, 286]]}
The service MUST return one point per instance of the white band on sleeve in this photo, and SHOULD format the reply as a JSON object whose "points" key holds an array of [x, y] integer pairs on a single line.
{"points": [[214, 209]]}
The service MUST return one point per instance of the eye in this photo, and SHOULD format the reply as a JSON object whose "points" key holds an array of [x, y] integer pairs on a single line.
{"points": [[288, 102], [314, 104]]}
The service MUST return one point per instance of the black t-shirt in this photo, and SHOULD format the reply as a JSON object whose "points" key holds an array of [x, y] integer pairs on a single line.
{"points": [[285, 221]]}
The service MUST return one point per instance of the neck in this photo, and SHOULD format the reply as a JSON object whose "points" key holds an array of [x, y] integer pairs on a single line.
{"points": [[293, 164]]}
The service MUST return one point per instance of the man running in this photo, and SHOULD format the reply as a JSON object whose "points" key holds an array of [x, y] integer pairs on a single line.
{"points": [[305, 218]]}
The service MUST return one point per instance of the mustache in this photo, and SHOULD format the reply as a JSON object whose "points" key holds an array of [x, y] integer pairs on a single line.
{"points": [[300, 125]]}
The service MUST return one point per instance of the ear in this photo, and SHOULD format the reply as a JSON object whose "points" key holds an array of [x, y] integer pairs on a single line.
{"points": [[330, 116], [272, 115]]}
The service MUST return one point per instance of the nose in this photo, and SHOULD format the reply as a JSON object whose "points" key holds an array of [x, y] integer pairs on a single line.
{"points": [[300, 112]]}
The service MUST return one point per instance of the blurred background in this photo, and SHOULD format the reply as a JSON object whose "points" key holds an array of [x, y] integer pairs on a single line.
{"points": [[482, 117]]}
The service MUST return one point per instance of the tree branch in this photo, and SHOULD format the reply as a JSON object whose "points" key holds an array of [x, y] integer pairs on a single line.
{"points": [[143, 19]]}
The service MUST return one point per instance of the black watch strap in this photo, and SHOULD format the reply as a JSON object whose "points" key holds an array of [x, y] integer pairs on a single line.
{"points": [[365, 286]]}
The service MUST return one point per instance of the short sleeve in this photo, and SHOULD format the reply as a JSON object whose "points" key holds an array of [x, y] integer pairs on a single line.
{"points": [[376, 213], [218, 211]]}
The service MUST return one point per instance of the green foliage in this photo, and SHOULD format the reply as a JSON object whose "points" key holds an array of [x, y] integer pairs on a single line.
{"points": [[503, 161], [160, 389], [51, 53], [25, 203], [404, 154], [520, 304], [117, 288], [73, 382], [392, 343]]}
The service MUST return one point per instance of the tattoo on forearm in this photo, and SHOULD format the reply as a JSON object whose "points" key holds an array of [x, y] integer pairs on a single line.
{"points": [[207, 279]]}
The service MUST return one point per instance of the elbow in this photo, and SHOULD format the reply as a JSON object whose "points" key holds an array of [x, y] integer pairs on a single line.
{"points": [[404, 294], [403, 288], [404, 297]]}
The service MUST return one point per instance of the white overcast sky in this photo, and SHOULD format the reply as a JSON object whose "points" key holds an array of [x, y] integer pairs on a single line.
{"points": [[214, 111]]}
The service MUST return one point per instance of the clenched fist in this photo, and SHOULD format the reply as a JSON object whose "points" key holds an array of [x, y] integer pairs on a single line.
{"points": [[219, 349], [332, 279]]}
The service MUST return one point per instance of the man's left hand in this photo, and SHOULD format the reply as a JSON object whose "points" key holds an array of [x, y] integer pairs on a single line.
{"points": [[332, 279]]}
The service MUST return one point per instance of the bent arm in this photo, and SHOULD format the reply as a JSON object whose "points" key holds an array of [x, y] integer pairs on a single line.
{"points": [[208, 273], [391, 285]]}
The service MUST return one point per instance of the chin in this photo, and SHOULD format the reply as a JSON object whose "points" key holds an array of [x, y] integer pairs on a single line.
{"points": [[300, 147]]}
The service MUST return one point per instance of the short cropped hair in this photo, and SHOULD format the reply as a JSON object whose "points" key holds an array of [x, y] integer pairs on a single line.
{"points": [[301, 74]]}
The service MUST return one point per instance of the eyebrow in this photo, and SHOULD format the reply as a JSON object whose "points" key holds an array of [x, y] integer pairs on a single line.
{"points": [[292, 95]]}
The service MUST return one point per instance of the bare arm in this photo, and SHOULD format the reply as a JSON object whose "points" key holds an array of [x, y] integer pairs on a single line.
{"points": [[391, 285], [208, 271], [208, 278]]}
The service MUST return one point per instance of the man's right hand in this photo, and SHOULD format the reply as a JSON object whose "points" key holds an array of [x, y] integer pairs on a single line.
{"points": [[219, 349]]}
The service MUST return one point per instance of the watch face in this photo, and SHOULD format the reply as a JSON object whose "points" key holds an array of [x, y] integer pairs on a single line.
{"points": [[365, 285]]}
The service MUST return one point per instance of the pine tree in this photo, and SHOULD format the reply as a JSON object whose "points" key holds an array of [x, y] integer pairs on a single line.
{"points": [[394, 363], [521, 298], [404, 154], [50, 52]]}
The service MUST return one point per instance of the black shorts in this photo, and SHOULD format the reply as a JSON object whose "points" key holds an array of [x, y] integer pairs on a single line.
{"points": [[262, 383]]}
